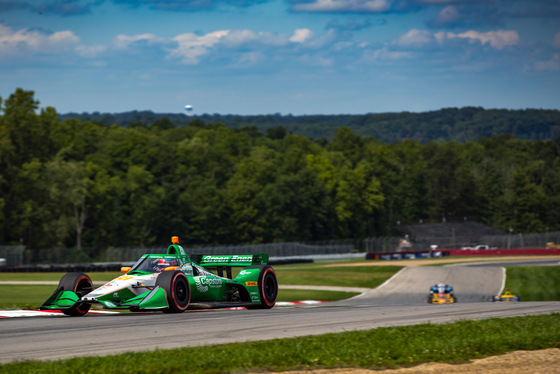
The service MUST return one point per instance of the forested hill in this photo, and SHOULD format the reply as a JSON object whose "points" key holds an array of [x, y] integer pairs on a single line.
{"points": [[79, 183], [464, 124]]}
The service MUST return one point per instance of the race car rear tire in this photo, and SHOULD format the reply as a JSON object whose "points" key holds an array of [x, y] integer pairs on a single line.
{"points": [[177, 290], [268, 287], [81, 285]]}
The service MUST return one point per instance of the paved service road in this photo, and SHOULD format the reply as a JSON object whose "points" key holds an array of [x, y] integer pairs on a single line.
{"points": [[401, 301]]}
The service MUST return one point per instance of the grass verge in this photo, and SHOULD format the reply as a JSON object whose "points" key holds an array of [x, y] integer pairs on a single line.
{"points": [[380, 348], [534, 283], [354, 276]]}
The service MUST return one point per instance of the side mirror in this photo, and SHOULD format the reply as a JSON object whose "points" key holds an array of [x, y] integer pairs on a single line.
{"points": [[125, 269]]}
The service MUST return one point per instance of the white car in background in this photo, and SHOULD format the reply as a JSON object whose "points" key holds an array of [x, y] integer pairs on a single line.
{"points": [[479, 247]]}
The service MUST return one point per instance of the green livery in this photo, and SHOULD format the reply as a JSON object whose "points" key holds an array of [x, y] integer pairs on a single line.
{"points": [[173, 282]]}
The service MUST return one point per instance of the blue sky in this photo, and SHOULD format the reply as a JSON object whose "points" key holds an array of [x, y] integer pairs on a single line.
{"points": [[281, 56]]}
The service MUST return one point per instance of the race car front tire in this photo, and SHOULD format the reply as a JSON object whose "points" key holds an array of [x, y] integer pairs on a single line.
{"points": [[177, 290], [81, 285]]}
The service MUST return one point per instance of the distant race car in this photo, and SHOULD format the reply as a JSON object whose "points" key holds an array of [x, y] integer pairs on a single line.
{"points": [[173, 282], [506, 297], [441, 294]]}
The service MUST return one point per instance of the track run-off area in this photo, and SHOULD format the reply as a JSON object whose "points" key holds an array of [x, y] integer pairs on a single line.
{"points": [[399, 301]]}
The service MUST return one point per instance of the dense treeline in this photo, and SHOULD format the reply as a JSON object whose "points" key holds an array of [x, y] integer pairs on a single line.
{"points": [[461, 125], [82, 183]]}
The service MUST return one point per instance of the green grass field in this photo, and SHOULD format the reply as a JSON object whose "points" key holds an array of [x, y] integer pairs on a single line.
{"points": [[343, 276], [380, 348], [534, 283]]}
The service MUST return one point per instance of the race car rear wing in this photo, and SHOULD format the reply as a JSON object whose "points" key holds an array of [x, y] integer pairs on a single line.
{"points": [[226, 262], [230, 260]]}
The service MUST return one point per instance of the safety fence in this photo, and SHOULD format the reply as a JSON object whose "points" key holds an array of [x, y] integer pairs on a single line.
{"points": [[11, 255], [272, 249], [18, 255]]}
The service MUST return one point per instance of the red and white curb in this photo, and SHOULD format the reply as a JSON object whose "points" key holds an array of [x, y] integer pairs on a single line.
{"points": [[35, 313], [299, 303], [58, 313]]}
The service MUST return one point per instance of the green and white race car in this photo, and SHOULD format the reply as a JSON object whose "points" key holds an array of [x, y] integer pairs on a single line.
{"points": [[173, 282]]}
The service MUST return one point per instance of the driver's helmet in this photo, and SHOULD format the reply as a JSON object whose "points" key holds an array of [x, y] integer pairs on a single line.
{"points": [[165, 262]]}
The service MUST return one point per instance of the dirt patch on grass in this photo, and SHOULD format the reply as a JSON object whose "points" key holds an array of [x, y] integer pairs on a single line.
{"points": [[546, 361]]}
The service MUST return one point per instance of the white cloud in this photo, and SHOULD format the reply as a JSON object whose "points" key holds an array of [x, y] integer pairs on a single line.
{"points": [[89, 51], [250, 58], [239, 37], [191, 46], [60, 38], [301, 35], [370, 6], [19, 41], [385, 54], [35, 42], [447, 16], [550, 65], [415, 38], [497, 39], [242, 37], [124, 41]]}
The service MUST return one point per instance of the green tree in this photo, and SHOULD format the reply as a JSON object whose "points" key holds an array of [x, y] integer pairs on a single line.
{"points": [[400, 168], [252, 175], [450, 187], [295, 208], [144, 197], [67, 184], [24, 139], [355, 193], [349, 144]]}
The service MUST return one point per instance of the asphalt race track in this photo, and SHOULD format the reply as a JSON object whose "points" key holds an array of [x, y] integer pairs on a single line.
{"points": [[400, 301], [410, 286]]}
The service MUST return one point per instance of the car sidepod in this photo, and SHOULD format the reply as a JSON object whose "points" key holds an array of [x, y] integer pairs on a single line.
{"points": [[206, 286]]}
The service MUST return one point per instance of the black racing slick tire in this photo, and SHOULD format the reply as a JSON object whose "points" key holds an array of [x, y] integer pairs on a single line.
{"points": [[268, 287], [81, 285], [177, 290]]}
